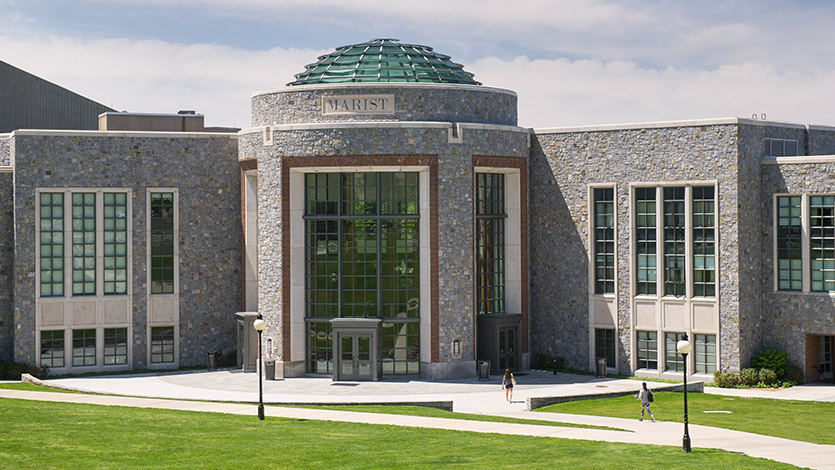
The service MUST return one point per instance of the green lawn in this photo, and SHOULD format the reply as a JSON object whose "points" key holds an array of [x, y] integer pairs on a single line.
{"points": [[790, 419], [41, 435], [437, 413], [32, 387]]}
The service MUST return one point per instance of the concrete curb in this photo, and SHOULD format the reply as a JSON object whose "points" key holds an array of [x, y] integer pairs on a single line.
{"points": [[538, 402]]}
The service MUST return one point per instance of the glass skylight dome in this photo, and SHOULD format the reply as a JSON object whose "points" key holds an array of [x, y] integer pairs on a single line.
{"points": [[384, 60]]}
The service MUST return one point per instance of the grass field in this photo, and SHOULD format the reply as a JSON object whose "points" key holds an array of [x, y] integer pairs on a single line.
{"points": [[790, 419], [39, 435], [436, 413]]}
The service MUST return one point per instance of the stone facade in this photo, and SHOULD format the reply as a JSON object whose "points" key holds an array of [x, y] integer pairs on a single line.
{"points": [[365, 143], [412, 102], [6, 268], [752, 316], [789, 316], [563, 164], [204, 170], [5, 155]]}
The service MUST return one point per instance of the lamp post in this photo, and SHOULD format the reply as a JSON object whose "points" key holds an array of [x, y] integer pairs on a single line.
{"points": [[684, 348], [259, 326]]}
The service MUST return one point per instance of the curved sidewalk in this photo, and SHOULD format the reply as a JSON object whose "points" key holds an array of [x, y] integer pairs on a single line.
{"points": [[469, 396]]}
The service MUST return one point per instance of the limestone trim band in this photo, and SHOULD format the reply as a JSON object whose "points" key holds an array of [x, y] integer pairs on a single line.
{"points": [[799, 160], [668, 124], [386, 125], [114, 134]]}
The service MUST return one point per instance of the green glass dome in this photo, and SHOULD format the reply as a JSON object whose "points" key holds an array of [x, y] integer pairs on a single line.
{"points": [[384, 60]]}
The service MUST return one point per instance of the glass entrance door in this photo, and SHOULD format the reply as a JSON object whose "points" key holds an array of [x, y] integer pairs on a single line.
{"points": [[507, 348], [355, 357]]}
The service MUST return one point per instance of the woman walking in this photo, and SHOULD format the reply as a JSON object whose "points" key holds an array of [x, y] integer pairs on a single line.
{"points": [[645, 395], [507, 385]]}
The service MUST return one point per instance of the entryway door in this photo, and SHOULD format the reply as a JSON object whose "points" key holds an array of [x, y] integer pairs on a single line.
{"points": [[357, 349], [356, 357], [507, 348]]}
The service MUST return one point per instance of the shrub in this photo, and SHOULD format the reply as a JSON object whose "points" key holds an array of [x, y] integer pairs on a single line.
{"points": [[13, 370], [726, 379], [545, 362], [227, 358], [768, 376], [773, 359], [749, 377], [794, 374]]}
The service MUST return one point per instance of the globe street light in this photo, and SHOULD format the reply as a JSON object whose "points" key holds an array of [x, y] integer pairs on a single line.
{"points": [[684, 347], [259, 326]]}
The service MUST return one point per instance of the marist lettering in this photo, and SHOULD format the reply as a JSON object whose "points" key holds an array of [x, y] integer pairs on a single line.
{"points": [[358, 104]]}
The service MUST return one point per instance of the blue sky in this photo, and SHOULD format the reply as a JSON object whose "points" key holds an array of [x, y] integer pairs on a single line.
{"points": [[571, 62]]}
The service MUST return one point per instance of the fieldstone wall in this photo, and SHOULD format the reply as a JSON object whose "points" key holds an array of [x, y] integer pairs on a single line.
{"points": [[354, 146], [413, 102], [789, 316], [5, 152], [562, 165], [206, 173], [821, 140], [6, 265]]}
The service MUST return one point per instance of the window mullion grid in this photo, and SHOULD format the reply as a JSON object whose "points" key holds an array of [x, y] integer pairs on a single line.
{"points": [[675, 241]]}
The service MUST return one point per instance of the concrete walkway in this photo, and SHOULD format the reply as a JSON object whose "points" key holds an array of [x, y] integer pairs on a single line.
{"points": [[469, 396]]}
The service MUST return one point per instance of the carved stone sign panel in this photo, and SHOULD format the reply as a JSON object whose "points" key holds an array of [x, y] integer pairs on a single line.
{"points": [[358, 104]]}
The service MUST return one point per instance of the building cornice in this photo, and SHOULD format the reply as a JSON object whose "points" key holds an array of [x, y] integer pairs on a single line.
{"points": [[798, 160], [134, 134], [385, 125], [670, 124]]}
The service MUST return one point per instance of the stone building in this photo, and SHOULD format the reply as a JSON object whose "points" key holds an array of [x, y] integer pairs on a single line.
{"points": [[386, 216]]}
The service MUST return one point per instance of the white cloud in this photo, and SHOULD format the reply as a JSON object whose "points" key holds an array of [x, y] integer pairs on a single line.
{"points": [[156, 76], [561, 92], [748, 76]]}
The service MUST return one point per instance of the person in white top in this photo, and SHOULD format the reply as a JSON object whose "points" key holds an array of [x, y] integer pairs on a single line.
{"points": [[645, 395]]}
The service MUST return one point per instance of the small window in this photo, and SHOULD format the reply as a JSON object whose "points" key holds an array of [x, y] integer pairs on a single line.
{"points": [[604, 240], [52, 348], [162, 243], [822, 242], [115, 346], [705, 352], [604, 345], [648, 350], [673, 360], [162, 344], [84, 347], [52, 244], [83, 244], [674, 242], [789, 243], [115, 235]]}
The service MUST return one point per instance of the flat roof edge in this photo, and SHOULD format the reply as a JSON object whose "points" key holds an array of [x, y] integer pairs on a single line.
{"points": [[326, 86], [183, 135], [667, 124]]}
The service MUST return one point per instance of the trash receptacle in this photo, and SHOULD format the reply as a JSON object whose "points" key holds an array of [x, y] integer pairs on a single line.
{"points": [[269, 369], [211, 360], [601, 367], [483, 370]]}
